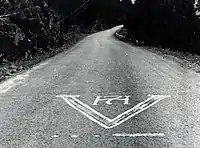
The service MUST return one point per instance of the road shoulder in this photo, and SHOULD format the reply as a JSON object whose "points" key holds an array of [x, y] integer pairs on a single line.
{"points": [[185, 59]]}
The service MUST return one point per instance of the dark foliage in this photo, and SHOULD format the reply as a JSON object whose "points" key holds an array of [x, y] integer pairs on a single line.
{"points": [[33, 25], [170, 23], [26, 27], [104, 13]]}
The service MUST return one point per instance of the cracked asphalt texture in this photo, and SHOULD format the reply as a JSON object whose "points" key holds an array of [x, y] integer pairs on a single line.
{"points": [[31, 116]]}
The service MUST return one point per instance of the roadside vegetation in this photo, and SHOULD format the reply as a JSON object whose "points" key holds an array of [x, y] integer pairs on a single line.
{"points": [[33, 30], [166, 23], [170, 28]]}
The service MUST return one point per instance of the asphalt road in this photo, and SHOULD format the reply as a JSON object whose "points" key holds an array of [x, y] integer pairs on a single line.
{"points": [[126, 97]]}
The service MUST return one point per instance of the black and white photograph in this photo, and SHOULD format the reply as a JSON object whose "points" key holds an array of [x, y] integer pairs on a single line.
{"points": [[99, 73]]}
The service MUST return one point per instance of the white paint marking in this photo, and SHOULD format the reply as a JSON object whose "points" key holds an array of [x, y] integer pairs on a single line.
{"points": [[55, 136], [97, 135], [86, 110], [108, 99], [4, 87], [74, 136], [39, 66], [105, 121], [139, 135], [18, 79]]}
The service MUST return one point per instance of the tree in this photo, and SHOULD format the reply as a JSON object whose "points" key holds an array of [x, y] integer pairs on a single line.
{"points": [[165, 22]]}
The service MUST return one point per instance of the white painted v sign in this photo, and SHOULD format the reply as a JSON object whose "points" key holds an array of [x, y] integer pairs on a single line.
{"points": [[105, 121]]}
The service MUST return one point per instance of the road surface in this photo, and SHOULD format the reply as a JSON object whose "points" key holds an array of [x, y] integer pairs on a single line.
{"points": [[102, 93]]}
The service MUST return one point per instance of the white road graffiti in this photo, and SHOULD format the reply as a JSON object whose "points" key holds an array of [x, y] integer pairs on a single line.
{"points": [[108, 99], [105, 121], [139, 135]]}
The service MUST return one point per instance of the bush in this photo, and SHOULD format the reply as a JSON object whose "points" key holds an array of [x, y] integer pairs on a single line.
{"points": [[27, 26], [168, 23]]}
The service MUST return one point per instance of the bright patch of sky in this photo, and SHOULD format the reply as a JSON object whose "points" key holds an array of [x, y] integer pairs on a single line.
{"points": [[133, 1]]}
